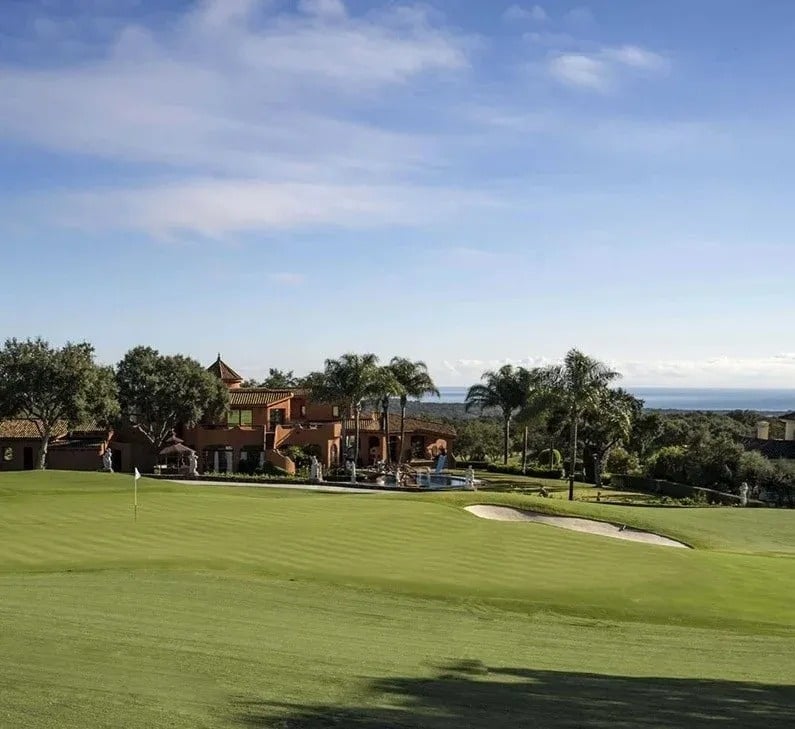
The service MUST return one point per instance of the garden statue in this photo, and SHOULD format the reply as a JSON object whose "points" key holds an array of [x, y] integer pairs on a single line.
{"points": [[470, 482], [744, 494], [193, 464], [315, 470], [107, 460]]}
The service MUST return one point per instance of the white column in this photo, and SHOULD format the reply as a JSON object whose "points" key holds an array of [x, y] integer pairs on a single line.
{"points": [[216, 464], [229, 461]]}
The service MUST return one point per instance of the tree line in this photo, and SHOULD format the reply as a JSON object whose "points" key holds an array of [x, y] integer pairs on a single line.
{"points": [[155, 393]]}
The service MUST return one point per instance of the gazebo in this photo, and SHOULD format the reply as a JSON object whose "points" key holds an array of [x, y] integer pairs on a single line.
{"points": [[175, 453]]}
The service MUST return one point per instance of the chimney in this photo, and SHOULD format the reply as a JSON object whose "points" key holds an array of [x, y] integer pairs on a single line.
{"points": [[763, 430], [789, 430]]}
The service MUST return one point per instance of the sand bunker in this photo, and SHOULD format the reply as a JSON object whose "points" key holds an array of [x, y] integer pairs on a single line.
{"points": [[604, 529]]}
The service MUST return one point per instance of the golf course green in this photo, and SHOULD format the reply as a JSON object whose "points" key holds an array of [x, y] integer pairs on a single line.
{"points": [[243, 607]]}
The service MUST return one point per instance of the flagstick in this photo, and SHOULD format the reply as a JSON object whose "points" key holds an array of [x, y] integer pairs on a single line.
{"points": [[135, 491]]}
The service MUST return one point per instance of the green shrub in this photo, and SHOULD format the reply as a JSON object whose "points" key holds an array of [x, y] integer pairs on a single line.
{"points": [[619, 460], [545, 460]]}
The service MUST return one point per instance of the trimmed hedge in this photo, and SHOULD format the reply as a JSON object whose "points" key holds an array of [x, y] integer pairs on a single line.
{"points": [[673, 489], [517, 471]]}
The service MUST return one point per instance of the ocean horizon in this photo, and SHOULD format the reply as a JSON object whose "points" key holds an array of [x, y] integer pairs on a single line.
{"points": [[684, 398]]}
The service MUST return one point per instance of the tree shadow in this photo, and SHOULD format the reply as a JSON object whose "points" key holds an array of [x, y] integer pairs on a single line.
{"points": [[468, 695]]}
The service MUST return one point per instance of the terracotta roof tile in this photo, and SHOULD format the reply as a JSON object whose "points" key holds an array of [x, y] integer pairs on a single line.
{"points": [[19, 428], [413, 425], [223, 371], [253, 396]]}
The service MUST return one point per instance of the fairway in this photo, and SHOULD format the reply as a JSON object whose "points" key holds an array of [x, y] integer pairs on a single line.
{"points": [[240, 607]]}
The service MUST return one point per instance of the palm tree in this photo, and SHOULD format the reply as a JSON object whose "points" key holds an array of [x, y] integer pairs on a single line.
{"points": [[536, 403], [413, 381], [348, 382], [505, 389], [579, 382]]}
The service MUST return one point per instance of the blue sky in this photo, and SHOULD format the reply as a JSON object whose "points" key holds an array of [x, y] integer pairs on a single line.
{"points": [[470, 183]]}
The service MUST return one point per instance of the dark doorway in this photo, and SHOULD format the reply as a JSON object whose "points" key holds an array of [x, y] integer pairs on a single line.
{"points": [[417, 447], [394, 447], [27, 458], [373, 449], [116, 461]]}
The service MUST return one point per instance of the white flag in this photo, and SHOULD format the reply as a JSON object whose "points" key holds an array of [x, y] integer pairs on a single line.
{"points": [[137, 473]]}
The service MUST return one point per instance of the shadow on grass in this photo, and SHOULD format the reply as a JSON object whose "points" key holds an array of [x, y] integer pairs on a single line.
{"points": [[472, 696]]}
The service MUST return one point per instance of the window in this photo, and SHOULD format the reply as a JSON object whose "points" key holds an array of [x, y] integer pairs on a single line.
{"points": [[235, 418], [303, 411], [277, 416], [335, 411], [8, 454]]}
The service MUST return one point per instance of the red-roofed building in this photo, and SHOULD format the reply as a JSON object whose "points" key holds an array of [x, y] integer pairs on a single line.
{"points": [[261, 422]]}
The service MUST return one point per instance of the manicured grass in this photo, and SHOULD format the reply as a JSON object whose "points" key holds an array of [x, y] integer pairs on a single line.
{"points": [[226, 607]]}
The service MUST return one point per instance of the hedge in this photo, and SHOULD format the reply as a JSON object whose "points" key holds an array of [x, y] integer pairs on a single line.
{"points": [[517, 471], [672, 489]]}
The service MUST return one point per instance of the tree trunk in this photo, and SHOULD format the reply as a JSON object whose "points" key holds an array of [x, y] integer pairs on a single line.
{"points": [[357, 432], [506, 440], [341, 457], [385, 405], [573, 462], [552, 455], [45, 444], [524, 450], [402, 429]]}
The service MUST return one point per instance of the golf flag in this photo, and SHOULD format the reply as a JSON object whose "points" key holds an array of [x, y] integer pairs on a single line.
{"points": [[136, 476]]}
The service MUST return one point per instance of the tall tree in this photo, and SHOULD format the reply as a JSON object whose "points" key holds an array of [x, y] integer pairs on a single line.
{"points": [[533, 410], [348, 382], [606, 422], [159, 392], [54, 385], [505, 390], [276, 380], [578, 382], [413, 381]]}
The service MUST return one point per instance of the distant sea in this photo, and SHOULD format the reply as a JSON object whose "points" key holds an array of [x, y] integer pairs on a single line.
{"points": [[685, 398]]}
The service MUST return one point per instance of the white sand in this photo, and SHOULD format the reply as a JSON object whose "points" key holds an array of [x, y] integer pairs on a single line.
{"points": [[601, 528]]}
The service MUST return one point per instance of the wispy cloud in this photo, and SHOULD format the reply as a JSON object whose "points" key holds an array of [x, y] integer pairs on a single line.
{"points": [[601, 70], [214, 208], [275, 109], [520, 13], [767, 371]]}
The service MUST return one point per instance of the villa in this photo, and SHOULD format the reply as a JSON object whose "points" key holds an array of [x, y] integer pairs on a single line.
{"points": [[260, 423], [257, 427]]}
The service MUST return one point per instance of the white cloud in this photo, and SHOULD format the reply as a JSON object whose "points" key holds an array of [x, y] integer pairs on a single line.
{"points": [[602, 70], [215, 208], [765, 371], [577, 69], [519, 13], [275, 108], [636, 57]]}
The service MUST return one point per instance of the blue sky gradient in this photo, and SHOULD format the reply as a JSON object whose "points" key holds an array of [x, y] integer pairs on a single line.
{"points": [[470, 183]]}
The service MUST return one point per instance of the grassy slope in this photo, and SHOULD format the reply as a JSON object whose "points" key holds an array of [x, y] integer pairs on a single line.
{"points": [[219, 602]]}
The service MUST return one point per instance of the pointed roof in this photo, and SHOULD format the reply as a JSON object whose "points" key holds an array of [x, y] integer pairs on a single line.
{"points": [[223, 371]]}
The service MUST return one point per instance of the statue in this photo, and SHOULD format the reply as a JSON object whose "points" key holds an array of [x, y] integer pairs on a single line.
{"points": [[107, 460], [744, 494], [315, 470], [193, 464], [470, 482]]}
